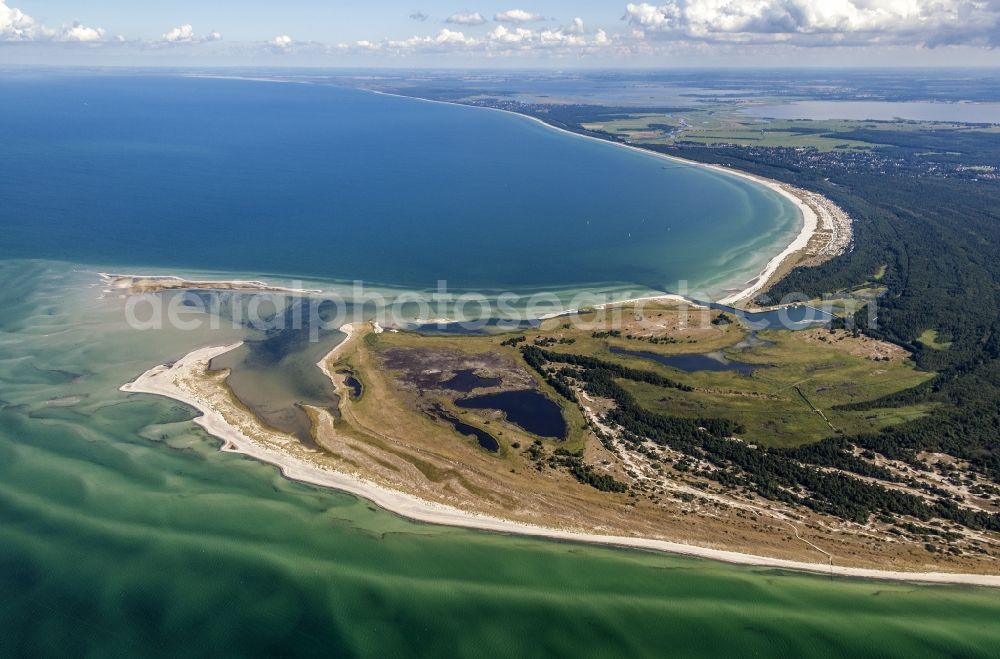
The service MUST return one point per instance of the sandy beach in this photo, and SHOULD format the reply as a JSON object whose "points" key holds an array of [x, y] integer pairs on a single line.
{"points": [[156, 283], [323, 364], [176, 382]]}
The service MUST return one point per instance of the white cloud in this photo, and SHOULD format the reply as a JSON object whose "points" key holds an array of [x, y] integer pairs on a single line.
{"points": [[501, 34], [182, 34], [15, 25], [518, 16], [821, 22], [78, 32], [449, 36], [445, 39], [466, 18], [282, 41], [503, 40], [185, 34], [419, 16]]}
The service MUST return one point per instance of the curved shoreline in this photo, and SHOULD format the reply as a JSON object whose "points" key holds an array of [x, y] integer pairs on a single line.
{"points": [[166, 380], [796, 196], [810, 221]]}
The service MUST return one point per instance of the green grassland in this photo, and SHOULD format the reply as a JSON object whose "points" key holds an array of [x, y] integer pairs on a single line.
{"points": [[381, 395], [725, 127], [801, 134], [847, 302], [723, 124], [801, 372], [930, 339], [769, 404]]}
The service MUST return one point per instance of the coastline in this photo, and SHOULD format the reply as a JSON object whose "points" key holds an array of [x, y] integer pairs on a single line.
{"points": [[347, 329], [796, 196], [168, 380]]}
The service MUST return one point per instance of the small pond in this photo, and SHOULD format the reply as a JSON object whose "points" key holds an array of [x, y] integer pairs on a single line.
{"points": [[526, 408], [486, 440], [466, 380], [355, 386]]}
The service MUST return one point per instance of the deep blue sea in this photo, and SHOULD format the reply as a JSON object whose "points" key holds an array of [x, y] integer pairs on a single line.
{"points": [[336, 184]]}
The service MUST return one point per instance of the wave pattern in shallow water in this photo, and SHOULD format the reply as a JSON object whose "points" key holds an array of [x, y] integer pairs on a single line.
{"points": [[123, 530]]}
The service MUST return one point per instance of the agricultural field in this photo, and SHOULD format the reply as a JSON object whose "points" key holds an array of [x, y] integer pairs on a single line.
{"points": [[725, 125]]}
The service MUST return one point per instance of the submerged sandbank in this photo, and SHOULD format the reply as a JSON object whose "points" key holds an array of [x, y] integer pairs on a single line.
{"points": [[159, 283]]}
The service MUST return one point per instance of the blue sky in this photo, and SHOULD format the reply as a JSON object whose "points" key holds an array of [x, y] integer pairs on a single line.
{"points": [[308, 20], [467, 33]]}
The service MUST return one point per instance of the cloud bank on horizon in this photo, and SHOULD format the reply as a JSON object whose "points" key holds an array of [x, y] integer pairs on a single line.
{"points": [[642, 28], [927, 23]]}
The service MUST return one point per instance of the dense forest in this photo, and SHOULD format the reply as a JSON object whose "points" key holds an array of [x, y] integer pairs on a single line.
{"points": [[779, 475]]}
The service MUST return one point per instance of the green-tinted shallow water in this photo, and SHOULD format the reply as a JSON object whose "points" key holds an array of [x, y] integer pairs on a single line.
{"points": [[124, 532]]}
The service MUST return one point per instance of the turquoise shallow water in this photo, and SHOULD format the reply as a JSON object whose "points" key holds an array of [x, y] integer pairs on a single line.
{"points": [[340, 184], [124, 532]]}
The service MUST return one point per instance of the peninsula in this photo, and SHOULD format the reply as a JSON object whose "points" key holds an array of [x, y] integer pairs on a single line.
{"points": [[432, 428]]}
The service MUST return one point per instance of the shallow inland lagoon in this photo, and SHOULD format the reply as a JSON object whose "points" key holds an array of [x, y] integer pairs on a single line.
{"points": [[354, 385], [527, 408], [274, 375], [483, 438], [466, 380], [982, 113]]}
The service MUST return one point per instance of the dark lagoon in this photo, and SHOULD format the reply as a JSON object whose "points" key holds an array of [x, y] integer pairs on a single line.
{"points": [[527, 408], [466, 380], [483, 438], [355, 386]]}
